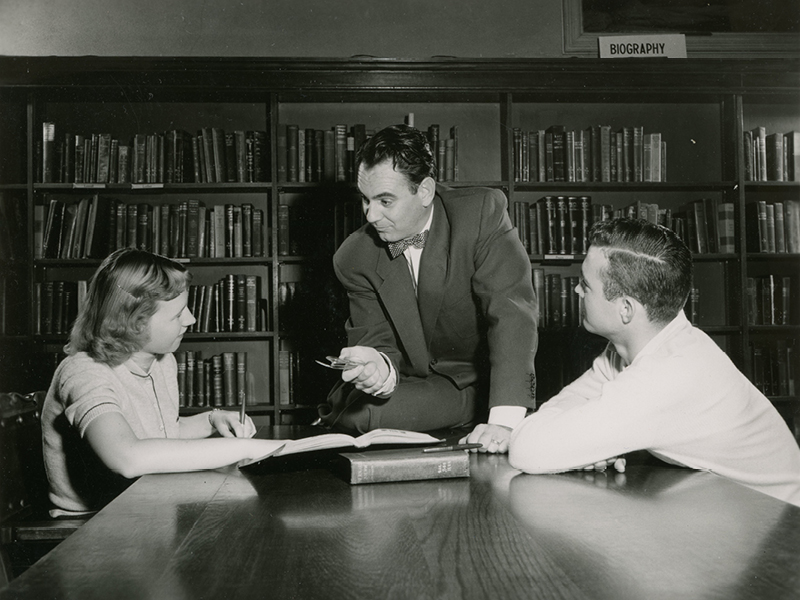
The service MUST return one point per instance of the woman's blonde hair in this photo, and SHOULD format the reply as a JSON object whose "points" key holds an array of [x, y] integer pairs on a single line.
{"points": [[123, 295]]}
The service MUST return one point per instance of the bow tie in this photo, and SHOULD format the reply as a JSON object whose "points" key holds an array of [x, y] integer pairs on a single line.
{"points": [[418, 241]]}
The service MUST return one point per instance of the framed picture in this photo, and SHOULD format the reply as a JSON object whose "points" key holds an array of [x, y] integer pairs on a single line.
{"points": [[713, 28]]}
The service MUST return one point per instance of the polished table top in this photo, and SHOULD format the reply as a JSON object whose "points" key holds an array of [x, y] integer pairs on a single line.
{"points": [[653, 532]]}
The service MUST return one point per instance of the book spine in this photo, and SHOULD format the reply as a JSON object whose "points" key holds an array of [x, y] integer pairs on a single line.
{"points": [[241, 378], [229, 377], [435, 465]]}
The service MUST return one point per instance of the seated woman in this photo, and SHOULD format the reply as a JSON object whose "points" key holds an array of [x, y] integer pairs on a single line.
{"points": [[111, 413]]}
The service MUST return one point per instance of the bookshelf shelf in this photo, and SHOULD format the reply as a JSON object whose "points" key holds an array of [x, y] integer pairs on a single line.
{"points": [[701, 107]]}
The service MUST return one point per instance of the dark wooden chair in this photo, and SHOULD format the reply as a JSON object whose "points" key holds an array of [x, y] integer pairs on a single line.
{"points": [[27, 532]]}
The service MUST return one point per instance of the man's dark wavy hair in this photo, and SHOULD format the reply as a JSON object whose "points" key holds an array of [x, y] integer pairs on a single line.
{"points": [[406, 147], [647, 262]]}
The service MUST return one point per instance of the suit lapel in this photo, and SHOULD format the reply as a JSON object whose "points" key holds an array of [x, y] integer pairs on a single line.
{"points": [[433, 270], [397, 295]]}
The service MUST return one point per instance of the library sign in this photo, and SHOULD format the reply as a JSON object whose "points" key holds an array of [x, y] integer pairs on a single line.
{"points": [[643, 46]]}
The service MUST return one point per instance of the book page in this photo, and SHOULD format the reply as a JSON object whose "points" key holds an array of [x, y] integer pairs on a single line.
{"points": [[393, 436]]}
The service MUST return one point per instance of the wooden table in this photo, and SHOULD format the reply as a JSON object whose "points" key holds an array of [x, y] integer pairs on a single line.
{"points": [[654, 532]]}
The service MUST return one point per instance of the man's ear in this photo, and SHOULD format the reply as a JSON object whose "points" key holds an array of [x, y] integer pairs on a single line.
{"points": [[627, 309], [426, 191]]}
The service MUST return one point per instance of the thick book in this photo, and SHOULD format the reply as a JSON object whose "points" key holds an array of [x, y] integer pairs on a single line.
{"points": [[403, 464], [320, 450]]}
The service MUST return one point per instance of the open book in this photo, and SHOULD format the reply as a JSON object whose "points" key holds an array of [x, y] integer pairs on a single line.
{"points": [[329, 441]]}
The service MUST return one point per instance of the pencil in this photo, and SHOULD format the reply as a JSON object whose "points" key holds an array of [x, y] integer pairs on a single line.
{"points": [[242, 414], [454, 447]]}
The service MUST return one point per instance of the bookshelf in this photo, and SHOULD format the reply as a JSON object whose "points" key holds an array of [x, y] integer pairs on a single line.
{"points": [[701, 109]]}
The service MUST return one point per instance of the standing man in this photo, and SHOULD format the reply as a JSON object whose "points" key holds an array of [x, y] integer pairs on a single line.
{"points": [[443, 315], [661, 385]]}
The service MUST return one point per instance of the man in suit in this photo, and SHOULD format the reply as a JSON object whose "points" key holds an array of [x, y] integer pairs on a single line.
{"points": [[443, 314]]}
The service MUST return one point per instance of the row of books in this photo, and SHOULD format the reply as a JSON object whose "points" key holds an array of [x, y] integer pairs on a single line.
{"points": [[219, 381], [775, 368], [593, 154], [55, 305], [94, 226], [559, 303], [706, 225], [232, 304], [306, 228], [318, 155], [769, 300], [773, 227], [771, 156], [559, 225], [213, 155]]}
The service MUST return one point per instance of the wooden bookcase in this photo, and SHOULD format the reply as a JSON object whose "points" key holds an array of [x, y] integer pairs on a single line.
{"points": [[702, 108]]}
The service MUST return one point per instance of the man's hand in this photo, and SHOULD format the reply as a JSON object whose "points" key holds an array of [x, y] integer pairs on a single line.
{"points": [[372, 371], [493, 437], [616, 462]]}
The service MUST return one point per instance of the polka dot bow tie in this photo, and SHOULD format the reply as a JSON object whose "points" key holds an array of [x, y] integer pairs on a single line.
{"points": [[418, 241]]}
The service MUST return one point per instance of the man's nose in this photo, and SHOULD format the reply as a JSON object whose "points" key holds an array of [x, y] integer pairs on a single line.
{"points": [[372, 213]]}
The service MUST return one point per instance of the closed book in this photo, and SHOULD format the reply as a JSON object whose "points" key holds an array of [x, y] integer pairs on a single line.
{"points": [[292, 159], [241, 303], [241, 378], [340, 152], [240, 151], [192, 228], [785, 311], [103, 157], [48, 151], [180, 359], [780, 228], [230, 157], [218, 148], [403, 464], [605, 153], [237, 245], [791, 146], [329, 155], [760, 153], [217, 383], [247, 230], [727, 231], [283, 230], [454, 137], [449, 160], [791, 218], [258, 232], [638, 153], [229, 378], [230, 303], [770, 221], [774, 154], [252, 294]]}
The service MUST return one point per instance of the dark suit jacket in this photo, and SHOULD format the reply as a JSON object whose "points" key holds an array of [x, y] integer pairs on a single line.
{"points": [[475, 317]]}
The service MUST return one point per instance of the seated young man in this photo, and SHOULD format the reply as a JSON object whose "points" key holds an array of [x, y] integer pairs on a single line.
{"points": [[661, 385]]}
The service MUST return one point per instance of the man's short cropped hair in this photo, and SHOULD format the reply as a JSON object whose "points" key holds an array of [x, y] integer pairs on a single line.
{"points": [[406, 147], [647, 262]]}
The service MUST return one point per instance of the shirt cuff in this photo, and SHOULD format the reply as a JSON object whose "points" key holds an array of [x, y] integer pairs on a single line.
{"points": [[507, 416], [391, 381]]}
